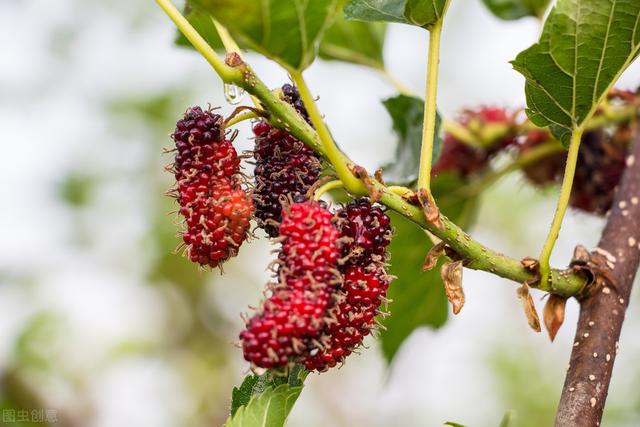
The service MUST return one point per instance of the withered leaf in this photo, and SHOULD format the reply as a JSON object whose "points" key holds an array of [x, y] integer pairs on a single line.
{"points": [[553, 314], [529, 308], [434, 253], [451, 274], [431, 211]]}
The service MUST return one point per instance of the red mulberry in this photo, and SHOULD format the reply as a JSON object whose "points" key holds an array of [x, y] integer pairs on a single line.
{"points": [[215, 208], [365, 231], [294, 315], [353, 318]]}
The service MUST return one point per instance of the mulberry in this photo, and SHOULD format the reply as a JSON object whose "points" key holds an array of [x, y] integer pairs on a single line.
{"points": [[216, 209], [293, 317], [285, 168]]}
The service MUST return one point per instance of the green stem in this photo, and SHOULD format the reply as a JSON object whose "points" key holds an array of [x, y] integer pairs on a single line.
{"points": [[461, 133], [563, 202], [402, 88], [400, 190], [331, 185], [429, 125], [240, 118], [230, 46], [226, 73], [331, 150], [228, 42]]}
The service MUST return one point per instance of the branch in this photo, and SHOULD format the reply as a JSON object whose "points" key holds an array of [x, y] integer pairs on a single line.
{"points": [[282, 115], [602, 314]]}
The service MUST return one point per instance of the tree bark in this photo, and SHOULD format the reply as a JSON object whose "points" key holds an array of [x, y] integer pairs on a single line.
{"points": [[602, 314]]}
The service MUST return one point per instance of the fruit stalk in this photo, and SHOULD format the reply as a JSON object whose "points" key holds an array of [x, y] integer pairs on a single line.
{"points": [[429, 124], [561, 208]]}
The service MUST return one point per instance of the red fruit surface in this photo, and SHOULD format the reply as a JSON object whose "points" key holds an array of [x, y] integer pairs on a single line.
{"points": [[353, 318], [215, 208], [295, 313]]}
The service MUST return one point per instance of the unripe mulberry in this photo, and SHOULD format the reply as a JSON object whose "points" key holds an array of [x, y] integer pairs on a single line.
{"points": [[294, 315], [598, 172], [460, 158], [484, 122], [285, 168], [601, 162], [550, 169], [215, 208]]}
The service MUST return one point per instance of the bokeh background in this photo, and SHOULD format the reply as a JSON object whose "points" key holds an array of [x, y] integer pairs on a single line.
{"points": [[100, 321]]}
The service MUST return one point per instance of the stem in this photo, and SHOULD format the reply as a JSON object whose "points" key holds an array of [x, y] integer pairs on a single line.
{"points": [[461, 133], [230, 46], [228, 42], [240, 118], [332, 151], [331, 185], [429, 125], [226, 73], [396, 83], [563, 202], [400, 190]]}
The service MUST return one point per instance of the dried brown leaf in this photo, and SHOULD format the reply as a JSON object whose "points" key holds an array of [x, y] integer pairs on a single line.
{"points": [[529, 308], [553, 314], [431, 211], [434, 253], [451, 274]]}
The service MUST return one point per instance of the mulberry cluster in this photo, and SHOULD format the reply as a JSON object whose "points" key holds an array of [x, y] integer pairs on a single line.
{"points": [[601, 162], [293, 317], [463, 159], [331, 282], [216, 209], [365, 231], [285, 168]]}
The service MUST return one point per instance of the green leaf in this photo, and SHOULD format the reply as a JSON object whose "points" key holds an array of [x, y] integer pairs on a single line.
{"points": [[287, 31], [407, 113], [356, 42], [454, 424], [418, 298], [515, 9], [268, 409], [584, 47], [376, 10], [256, 384], [423, 13]]}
